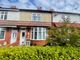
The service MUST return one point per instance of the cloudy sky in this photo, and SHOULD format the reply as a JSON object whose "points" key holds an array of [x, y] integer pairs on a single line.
{"points": [[57, 5]]}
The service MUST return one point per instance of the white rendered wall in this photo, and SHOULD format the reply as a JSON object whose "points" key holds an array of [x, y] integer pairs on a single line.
{"points": [[13, 16], [57, 17]]}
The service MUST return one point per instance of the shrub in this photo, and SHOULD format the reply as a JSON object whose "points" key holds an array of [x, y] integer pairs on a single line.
{"points": [[64, 35], [40, 53]]}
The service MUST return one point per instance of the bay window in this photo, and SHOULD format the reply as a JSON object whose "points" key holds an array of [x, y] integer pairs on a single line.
{"points": [[38, 33]]}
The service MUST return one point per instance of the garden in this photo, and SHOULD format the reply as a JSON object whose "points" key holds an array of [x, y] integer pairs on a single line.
{"points": [[40, 53]]}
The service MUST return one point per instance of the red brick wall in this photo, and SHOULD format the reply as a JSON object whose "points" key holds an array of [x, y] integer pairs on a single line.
{"points": [[18, 37], [8, 35], [27, 35], [8, 38], [39, 42]]}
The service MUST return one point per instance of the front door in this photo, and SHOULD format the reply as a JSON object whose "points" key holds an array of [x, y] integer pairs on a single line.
{"points": [[13, 36], [23, 37]]}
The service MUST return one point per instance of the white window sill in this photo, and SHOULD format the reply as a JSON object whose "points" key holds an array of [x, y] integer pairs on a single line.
{"points": [[2, 39]]}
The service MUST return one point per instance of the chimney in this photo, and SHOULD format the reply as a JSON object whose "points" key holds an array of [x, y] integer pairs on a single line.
{"points": [[51, 9], [13, 7], [39, 8]]}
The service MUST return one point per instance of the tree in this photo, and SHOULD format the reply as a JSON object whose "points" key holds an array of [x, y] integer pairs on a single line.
{"points": [[64, 34]]}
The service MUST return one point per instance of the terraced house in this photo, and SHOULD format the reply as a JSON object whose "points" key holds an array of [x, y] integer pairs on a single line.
{"points": [[24, 26], [30, 27]]}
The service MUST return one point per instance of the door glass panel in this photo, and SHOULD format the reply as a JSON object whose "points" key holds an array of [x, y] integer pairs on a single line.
{"points": [[23, 38], [14, 35], [23, 34]]}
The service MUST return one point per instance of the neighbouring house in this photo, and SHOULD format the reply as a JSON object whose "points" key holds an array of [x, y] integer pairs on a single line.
{"points": [[24, 26], [58, 18], [30, 27]]}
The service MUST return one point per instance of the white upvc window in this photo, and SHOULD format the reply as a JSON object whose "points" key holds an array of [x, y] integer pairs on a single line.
{"points": [[3, 15], [2, 33], [38, 33], [36, 17], [65, 16]]}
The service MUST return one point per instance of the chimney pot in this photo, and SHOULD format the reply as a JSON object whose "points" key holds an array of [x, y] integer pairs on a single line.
{"points": [[13, 7], [39, 8]]}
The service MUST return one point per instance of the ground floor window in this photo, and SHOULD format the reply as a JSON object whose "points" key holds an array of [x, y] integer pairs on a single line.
{"points": [[2, 33], [38, 33]]}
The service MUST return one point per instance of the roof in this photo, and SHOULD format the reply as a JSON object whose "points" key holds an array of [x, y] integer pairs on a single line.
{"points": [[37, 10], [26, 10], [66, 12], [24, 23], [59, 24]]}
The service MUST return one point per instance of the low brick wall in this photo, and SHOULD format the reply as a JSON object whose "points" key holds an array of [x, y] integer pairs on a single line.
{"points": [[39, 42]]}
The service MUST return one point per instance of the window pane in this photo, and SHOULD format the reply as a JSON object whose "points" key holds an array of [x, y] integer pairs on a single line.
{"points": [[2, 12], [32, 35], [36, 17], [23, 34], [14, 35], [35, 29], [40, 37], [35, 35], [38, 33], [44, 33], [34, 14], [3, 15], [1, 34]]}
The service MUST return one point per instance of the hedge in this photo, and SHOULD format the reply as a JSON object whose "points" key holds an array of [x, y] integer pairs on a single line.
{"points": [[40, 53]]}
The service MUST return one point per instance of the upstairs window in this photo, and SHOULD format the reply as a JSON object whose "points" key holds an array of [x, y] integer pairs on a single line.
{"points": [[65, 17], [36, 17], [3, 15]]}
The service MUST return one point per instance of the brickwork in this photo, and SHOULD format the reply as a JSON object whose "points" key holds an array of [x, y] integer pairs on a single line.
{"points": [[39, 42]]}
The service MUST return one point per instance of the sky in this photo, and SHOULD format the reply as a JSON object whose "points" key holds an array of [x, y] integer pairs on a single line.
{"points": [[57, 5]]}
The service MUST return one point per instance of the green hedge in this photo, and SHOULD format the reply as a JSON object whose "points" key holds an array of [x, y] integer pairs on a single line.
{"points": [[40, 53]]}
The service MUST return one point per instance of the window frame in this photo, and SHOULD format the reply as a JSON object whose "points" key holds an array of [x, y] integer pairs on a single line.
{"points": [[38, 18], [42, 31], [3, 15], [4, 34]]}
